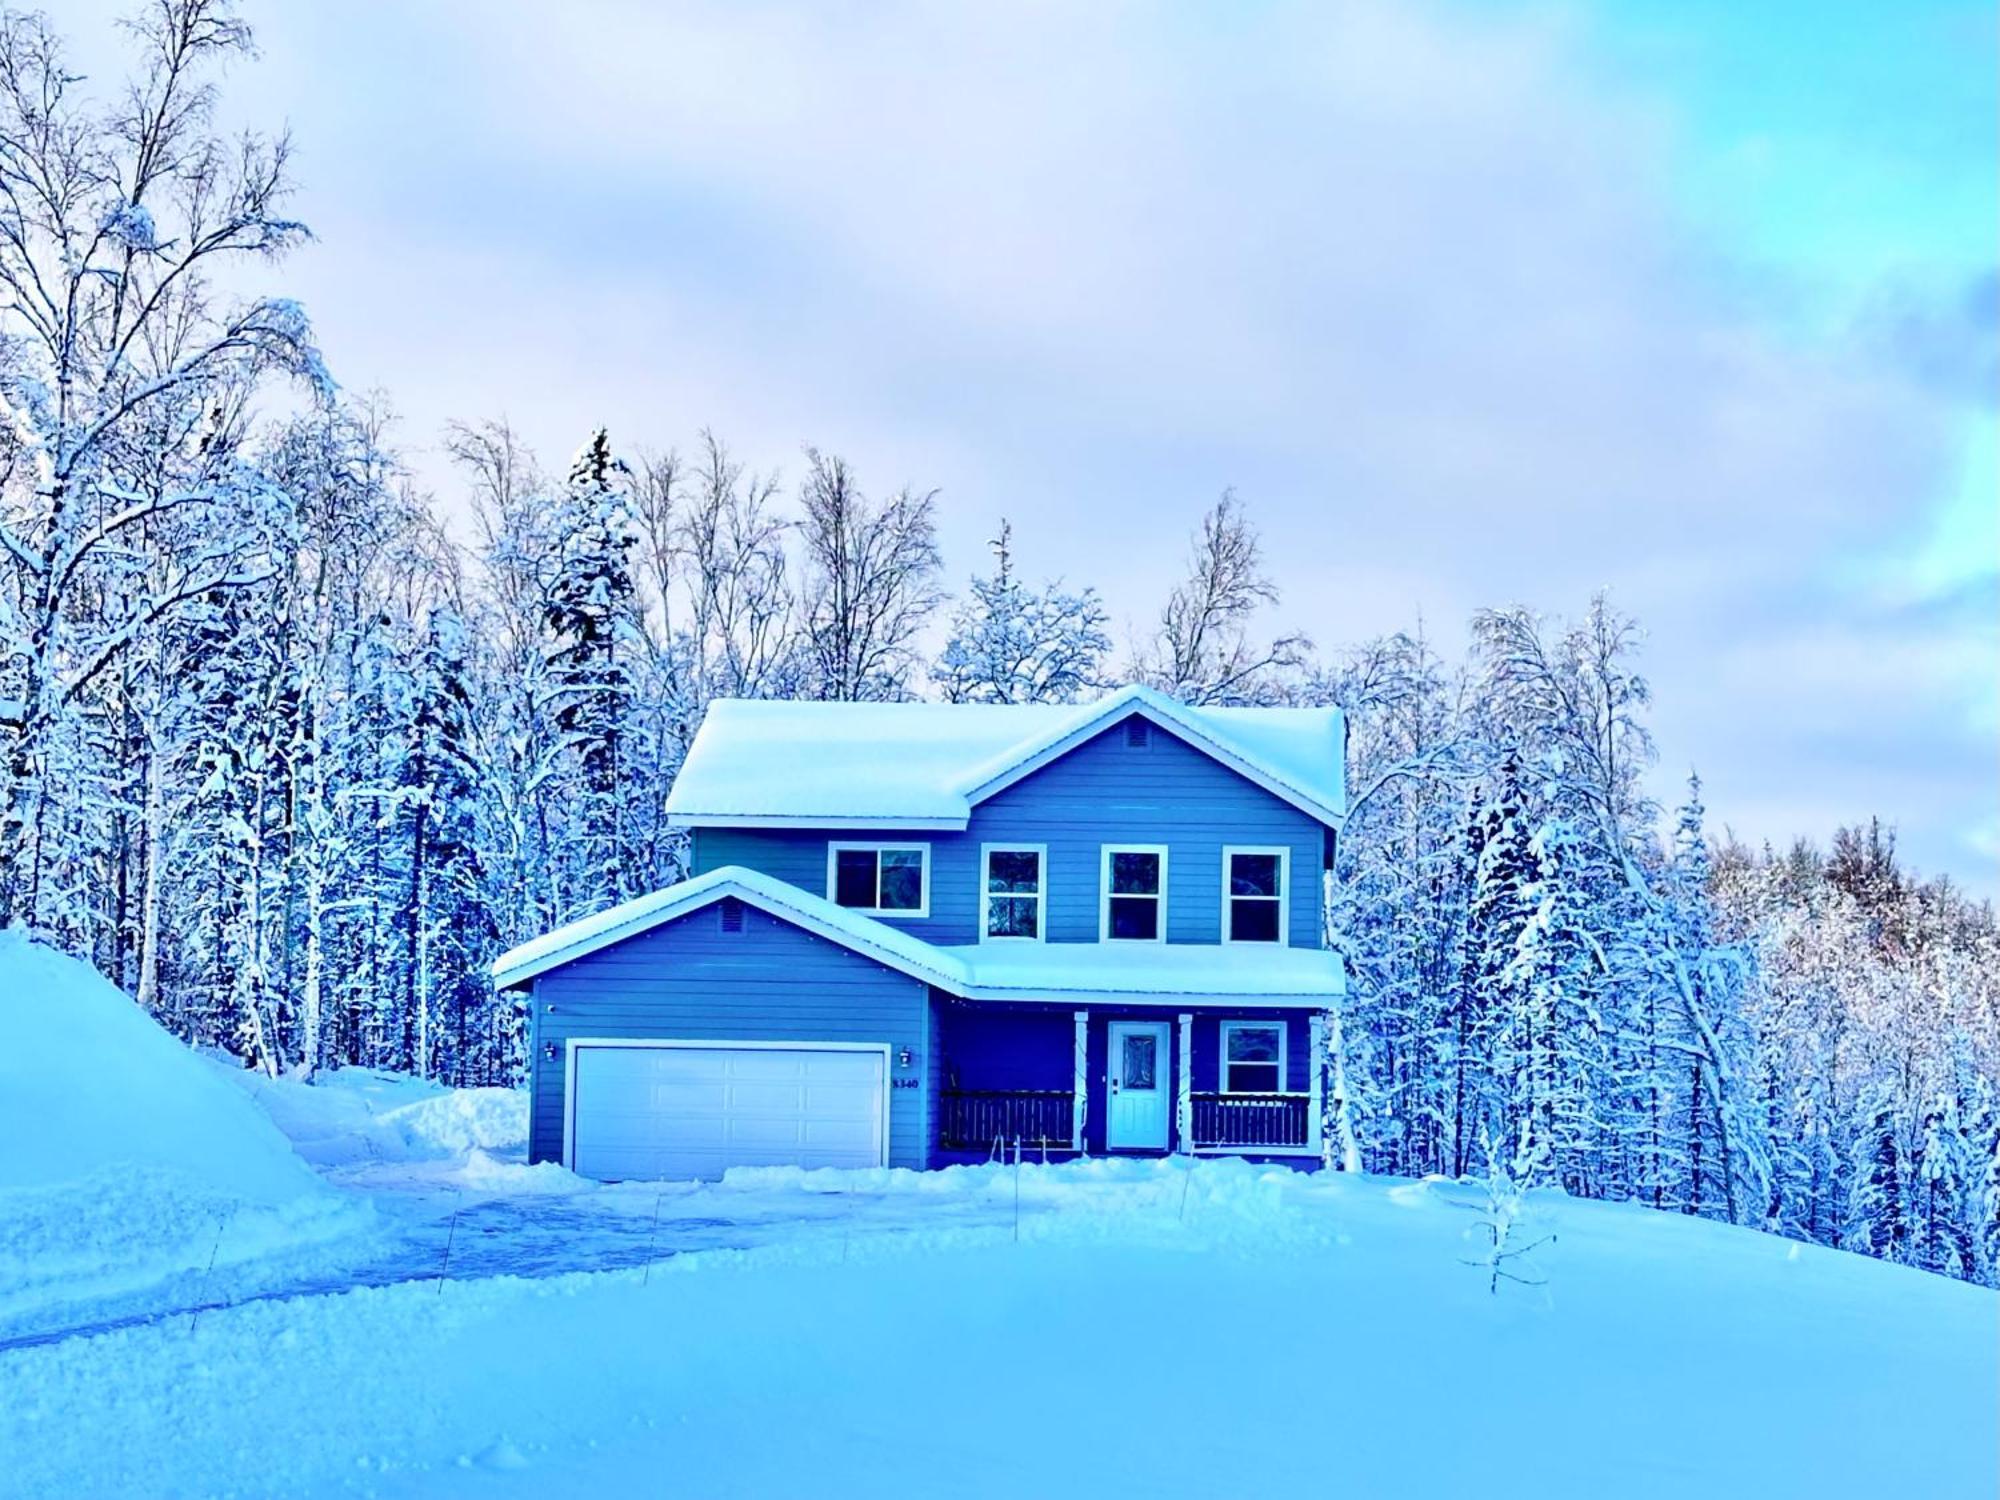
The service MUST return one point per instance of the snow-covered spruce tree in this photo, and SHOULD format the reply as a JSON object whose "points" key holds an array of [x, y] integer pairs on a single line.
{"points": [[448, 1001], [1943, 1234], [1879, 1202], [1486, 1017], [113, 221], [589, 615], [870, 583], [1013, 644], [1202, 651]]}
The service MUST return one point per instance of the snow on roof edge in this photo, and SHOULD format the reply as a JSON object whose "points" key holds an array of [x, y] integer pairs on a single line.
{"points": [[956, 971]]}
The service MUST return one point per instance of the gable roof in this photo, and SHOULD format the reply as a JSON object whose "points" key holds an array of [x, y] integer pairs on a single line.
{"points": [[1160, 973], [927, 765], [816, 914]]}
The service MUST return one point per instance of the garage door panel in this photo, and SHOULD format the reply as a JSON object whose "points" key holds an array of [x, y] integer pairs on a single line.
{"points": [[688, 1111]]}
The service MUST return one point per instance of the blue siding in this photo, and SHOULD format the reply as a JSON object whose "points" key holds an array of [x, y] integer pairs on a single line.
{"points": [[689, 980], [1102, 792]]}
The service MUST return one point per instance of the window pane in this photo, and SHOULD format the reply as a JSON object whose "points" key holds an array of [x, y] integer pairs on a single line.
{"points": [[1141, 1061], [1135, 917], [1253, 1078], [854, 877], [1135, 874], [1253, 921], [1253, 874], [1253, 1044], [902, 879], [1013, 870], [1012, 916]]}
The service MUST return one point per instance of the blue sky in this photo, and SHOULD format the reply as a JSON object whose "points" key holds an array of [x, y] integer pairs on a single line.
{"points": [[1472, 304]]}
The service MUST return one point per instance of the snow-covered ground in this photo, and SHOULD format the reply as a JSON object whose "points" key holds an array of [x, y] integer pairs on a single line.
{"points": [[1101, 1329]]}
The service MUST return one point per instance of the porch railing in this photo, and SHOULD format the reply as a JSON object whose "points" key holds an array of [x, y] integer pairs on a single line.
{"points": [[973, 1119], [1247, 1121]]}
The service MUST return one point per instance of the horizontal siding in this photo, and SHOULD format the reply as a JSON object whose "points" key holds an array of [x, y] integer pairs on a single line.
{"points": [[1103, 792], [687, 980]]}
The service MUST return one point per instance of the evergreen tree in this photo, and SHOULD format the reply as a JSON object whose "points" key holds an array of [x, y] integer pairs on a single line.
{"points": [[589, 687], [1878, 1207]]}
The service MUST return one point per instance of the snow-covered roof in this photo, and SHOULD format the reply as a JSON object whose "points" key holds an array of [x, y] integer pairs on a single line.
{"points": [[926, 765], [1149, 973], [781, 899], [1136, 973]]}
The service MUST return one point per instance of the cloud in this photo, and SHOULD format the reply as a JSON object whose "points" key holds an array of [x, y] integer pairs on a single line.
{"points": [[1409, 277]]}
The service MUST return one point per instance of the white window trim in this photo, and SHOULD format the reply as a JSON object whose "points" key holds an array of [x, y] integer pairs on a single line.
{"points": [[1041, 897], [1104, 891], [897, 913], [1229, 852], [1284, 1040]]}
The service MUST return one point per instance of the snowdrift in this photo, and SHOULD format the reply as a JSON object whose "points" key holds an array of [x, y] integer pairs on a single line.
{"points": [[130, 1160], [362, 1116]]}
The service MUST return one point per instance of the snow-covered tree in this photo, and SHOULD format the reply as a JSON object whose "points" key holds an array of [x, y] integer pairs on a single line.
{"points": [[1014, 644]]}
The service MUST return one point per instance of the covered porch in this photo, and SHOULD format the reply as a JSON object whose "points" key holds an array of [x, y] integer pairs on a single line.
{"points": [[1053, 1081]]}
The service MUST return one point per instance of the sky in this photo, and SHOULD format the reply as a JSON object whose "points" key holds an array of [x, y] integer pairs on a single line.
{"points": [[1691, 301]]}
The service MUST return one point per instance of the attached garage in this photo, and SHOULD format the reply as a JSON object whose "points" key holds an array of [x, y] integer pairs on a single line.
{"points": [[651, 1108]]}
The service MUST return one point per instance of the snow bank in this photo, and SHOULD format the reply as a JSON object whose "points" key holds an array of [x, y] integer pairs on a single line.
{"points": [[352, 1116], [129, 1159]]}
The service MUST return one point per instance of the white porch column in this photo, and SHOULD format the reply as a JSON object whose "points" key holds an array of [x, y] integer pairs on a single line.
{"points": [[1316, 1083], [1184, 1094], [1080, 1108]]}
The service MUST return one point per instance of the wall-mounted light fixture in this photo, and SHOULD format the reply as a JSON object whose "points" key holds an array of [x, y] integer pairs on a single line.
{"points": [[905, 1058], [549, 1051]]}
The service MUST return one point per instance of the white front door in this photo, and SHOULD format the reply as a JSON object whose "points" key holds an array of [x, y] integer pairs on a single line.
{"points": [[1140, 1106]]}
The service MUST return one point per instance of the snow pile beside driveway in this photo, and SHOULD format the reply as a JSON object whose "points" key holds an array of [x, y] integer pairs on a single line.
{"points": [[354, 1116], [128, 1159]]}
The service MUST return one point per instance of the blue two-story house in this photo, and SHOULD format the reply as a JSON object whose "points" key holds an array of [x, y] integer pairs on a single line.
{"points": [[921, 933]]}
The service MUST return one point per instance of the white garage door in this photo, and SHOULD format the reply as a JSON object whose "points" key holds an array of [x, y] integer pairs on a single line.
{"points": [[652, 1111]]}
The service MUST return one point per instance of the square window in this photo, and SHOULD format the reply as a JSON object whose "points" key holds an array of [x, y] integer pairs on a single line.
{"points": [[1253, 921], [1013, 916], [1014, 870], [902, 880], [854, 877], [1253, 1057], [1253, 875], [1134, 873], [1135, 917]]}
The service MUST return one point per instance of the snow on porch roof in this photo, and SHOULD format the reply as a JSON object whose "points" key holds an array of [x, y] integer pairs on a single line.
{"points": [[926, 765], [1135, 973]]}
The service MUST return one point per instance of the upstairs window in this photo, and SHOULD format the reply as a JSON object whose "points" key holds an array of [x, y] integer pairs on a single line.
{"points": [[1135, 894], [1016, 892], [1253, 895], [886, 880], [1253, 1057]]}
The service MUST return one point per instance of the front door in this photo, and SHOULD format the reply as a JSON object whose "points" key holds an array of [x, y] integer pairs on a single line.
{"points": [[1139, 1109]]}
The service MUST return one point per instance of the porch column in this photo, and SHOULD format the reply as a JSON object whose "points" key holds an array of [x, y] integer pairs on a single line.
{"points": [[1080, 1108], [1184, 1095], [1316, 1083]]}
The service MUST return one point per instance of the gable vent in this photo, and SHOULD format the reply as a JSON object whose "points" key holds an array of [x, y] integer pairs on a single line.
{"points": [[732, 916], [1138, 733]]}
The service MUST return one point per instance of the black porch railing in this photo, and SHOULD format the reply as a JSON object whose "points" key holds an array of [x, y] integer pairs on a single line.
{"points": [[1247, 1121], [973, 1119]]}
